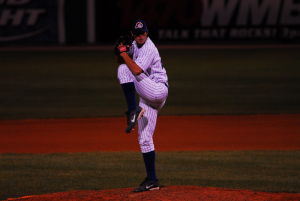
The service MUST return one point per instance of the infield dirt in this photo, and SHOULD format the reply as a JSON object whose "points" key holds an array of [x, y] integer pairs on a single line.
{"points": [[191, 133], [170, 193], [248, 132]]}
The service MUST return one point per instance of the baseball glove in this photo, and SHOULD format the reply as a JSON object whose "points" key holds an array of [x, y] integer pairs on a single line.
{"points": [[125, 40]]}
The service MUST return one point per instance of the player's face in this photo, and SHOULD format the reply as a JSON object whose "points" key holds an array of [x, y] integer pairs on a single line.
{"points": [[141, 39]]}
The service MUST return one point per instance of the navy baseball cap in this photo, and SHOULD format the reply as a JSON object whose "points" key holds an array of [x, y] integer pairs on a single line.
{"points": [[139, 27]]}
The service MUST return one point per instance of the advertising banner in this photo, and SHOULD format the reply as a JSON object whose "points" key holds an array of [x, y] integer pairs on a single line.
{"points": [[216, 19], [30, 21], [101, 22]]}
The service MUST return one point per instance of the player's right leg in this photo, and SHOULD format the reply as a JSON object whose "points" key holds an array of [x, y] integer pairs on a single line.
{"points": [[133, 112], [147, 126]]}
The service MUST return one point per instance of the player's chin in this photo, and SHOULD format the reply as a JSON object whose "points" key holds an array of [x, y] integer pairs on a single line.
{"points": [[140, 42]]}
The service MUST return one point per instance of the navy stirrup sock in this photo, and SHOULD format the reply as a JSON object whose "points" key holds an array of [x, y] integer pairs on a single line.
{"points": [[149, 160], [129, 92]]}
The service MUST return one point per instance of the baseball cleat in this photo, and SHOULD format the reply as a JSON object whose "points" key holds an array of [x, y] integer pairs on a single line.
{"points": [[132, 118], [147, 185]]}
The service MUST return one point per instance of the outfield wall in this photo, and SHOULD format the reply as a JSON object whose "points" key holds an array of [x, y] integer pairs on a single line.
{"points": [[84, 22]]}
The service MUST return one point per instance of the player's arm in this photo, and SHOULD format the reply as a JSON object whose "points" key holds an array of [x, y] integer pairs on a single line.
{"points": [[133, 67]]}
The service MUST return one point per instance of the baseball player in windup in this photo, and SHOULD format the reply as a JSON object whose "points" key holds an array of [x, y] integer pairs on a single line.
{"points": [[142, 72]]}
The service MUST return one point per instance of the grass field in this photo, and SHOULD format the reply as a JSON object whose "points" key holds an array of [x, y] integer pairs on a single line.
{"points": [[63, 84], [27, 174], [79, 84]]}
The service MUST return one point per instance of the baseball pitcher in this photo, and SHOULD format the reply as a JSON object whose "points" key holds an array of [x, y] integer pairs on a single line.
{"points": [[141, 71]]}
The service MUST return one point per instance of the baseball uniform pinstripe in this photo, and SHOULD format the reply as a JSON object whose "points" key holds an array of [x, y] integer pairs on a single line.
{"points": [[151, 86]]}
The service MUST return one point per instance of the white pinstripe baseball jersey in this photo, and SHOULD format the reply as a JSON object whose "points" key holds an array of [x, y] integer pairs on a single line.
{"points": [[152, 87], [147, 57]]}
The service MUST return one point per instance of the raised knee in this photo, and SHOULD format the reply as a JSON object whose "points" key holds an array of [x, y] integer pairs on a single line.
{"points": [[124, 74], [122, 69]]}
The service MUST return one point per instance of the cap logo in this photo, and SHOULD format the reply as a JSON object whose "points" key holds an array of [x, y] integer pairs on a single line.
{"points": [[138, 25]]}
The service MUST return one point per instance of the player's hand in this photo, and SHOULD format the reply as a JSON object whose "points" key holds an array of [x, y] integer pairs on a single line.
{"points": [[125, 40], [120, 49]]}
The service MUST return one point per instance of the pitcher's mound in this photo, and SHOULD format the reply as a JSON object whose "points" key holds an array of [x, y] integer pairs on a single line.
{"points": [[169, 193]]}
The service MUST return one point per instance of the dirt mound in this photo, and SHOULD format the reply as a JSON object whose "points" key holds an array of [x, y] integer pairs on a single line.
{"points": [[169, 193]]}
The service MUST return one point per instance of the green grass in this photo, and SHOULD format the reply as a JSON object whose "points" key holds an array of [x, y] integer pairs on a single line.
{"points": [[25, 174], [65, 84]]}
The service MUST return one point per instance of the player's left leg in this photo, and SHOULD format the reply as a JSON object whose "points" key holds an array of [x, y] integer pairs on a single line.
{"points": [[155, 93], [126, 81], [133, 111]]}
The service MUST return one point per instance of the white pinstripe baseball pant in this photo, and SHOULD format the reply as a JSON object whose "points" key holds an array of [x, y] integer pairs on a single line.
{"points": [[153, 96]]}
